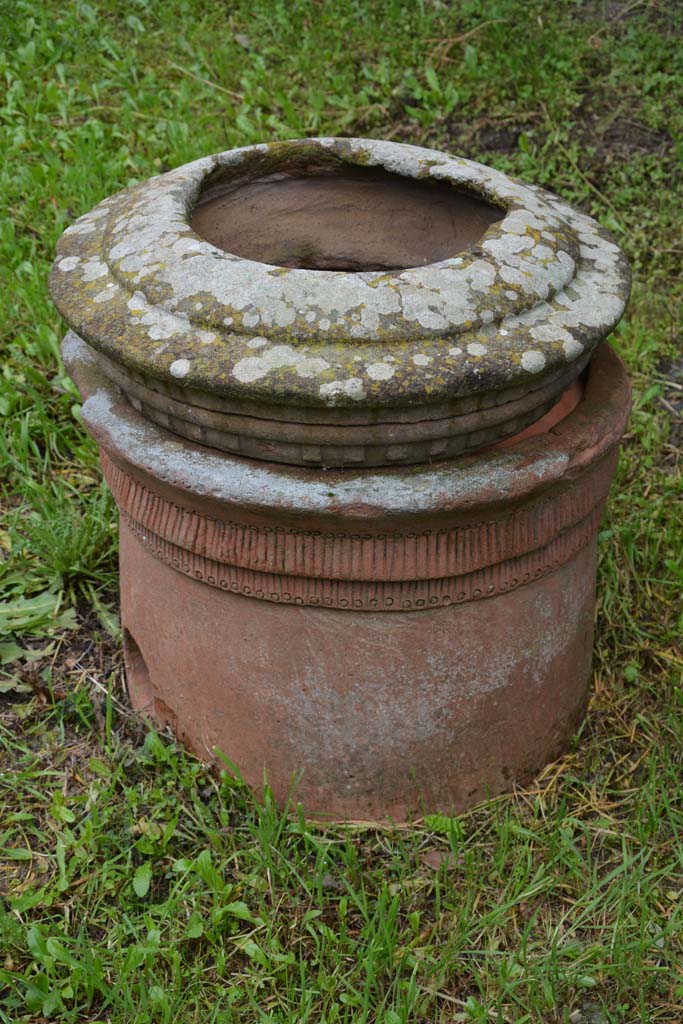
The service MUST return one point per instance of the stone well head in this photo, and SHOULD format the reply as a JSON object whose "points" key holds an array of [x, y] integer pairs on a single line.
{"points": [[340, 302], [353, 405]]}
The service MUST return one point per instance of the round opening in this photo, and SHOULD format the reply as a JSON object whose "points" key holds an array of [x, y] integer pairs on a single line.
{"points": [[345, 218]]}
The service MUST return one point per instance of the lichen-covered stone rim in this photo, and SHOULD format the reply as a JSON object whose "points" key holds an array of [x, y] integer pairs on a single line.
{"points": [[541, 288]]}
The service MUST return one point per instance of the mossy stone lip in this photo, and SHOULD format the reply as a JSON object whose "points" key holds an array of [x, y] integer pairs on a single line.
{"points": [[518, 311]]}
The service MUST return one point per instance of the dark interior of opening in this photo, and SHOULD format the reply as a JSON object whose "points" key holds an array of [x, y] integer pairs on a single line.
{"points": [[137, 673], [347, 218]]}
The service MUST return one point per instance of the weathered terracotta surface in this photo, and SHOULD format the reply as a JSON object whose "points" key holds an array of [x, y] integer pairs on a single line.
{"points": [[375, 366], [255, 600], [378, 716]]}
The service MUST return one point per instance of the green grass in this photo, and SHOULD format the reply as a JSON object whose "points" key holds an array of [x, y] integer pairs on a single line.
{"points": [[135, 887]]}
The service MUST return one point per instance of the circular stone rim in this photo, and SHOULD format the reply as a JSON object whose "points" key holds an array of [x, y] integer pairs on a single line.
{"points": [[535, 295]]}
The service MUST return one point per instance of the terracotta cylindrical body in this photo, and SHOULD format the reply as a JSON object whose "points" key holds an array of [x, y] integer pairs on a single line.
{"points": [[356, 410], [363, 716], [421, 649]]}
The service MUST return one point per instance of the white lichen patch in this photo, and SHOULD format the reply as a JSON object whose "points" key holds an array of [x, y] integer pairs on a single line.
{"points": [[379, 371], [92, 269], [572, 348], [68, 263], [88, 224], [179, 368], [481, 275], [533, 360], [421, 360], [476, 349], [254, 368], [542, 252], [159, 323], [549, 332], [334, 390]]}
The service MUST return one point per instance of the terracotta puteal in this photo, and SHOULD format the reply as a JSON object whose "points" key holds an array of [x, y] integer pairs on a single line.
{"points": [[355, 407]]}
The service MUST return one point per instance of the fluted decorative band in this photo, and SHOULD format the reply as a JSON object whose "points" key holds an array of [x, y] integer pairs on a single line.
{"points": [[373, 571]]}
